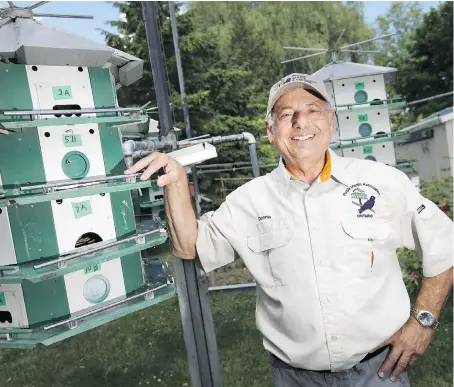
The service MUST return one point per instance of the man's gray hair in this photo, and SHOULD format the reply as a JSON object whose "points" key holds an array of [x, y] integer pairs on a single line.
{"points": [[271, 116]]}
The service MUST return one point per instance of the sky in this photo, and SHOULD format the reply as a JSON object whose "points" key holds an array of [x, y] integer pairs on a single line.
{"points": [[103, 11]]}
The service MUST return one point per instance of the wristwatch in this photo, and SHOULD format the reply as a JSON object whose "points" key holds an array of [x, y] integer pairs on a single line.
{"points": [[425, 318]]}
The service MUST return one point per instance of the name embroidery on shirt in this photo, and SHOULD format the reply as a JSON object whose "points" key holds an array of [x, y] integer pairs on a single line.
{"points": [[364, 196], [264, 217]]}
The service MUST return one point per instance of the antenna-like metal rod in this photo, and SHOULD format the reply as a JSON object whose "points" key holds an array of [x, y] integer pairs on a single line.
{"points": [[366, 41], [339, 38], [63, 16], [36, 5], [303, 57], [305, 48], [11, 4], [364, 51]]}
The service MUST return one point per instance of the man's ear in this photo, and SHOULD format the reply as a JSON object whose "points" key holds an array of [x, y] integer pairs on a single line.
{"points": [[333, 117], [269, 132]]}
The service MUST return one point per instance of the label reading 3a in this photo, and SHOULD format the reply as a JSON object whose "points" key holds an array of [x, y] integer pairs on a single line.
{"points": [[70, 140], [2, 299], [92, 268], [62, 92], [81, 209]]}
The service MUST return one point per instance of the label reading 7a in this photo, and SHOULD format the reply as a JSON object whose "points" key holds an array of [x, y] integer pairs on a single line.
{"points": [[82, 209], [72, 140], [62, 92]]}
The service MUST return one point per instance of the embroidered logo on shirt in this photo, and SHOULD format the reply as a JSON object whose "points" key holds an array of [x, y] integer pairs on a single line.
{"points": [[264, 217], [420, 208], [361, 198]]}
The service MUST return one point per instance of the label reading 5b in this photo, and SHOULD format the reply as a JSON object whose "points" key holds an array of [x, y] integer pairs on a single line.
{"points": [[92, 268], [70, 140], [81, 209], [62, 92]]}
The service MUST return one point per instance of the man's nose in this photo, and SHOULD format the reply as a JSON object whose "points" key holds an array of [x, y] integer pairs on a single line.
{"points": [[300, 120]]}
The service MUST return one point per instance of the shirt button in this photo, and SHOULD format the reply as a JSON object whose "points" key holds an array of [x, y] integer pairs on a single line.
{"points": [[334, 338], [326, 300], [322, 262], [314, 228]]}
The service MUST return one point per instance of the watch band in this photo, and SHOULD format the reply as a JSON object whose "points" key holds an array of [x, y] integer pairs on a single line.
{"points": [[415, 313]]}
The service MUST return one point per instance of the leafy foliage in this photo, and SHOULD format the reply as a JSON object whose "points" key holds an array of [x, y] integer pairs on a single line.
{"points": [[231, 53], [422, 52]]}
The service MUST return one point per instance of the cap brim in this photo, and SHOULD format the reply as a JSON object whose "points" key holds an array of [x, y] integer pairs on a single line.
{"points": [[290, 86]]}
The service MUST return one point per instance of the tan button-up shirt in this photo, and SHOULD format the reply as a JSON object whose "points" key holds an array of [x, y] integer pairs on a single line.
{"points": [[329, 285]]}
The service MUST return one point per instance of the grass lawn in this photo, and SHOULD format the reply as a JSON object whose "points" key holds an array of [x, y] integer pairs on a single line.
{"points": [[147, 349]]}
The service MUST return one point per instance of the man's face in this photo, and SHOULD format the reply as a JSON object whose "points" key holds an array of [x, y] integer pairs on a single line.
{"points": [[302, 127]]}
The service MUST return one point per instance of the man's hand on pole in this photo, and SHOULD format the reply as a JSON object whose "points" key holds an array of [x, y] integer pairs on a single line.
{"points": [[173, 171]]}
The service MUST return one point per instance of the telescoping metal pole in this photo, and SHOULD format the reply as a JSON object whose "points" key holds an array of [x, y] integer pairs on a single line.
{"points": [[197, 322]]}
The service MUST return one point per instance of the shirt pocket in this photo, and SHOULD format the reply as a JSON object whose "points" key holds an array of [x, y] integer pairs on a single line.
{"points": [[368, 247], [271, 263]]}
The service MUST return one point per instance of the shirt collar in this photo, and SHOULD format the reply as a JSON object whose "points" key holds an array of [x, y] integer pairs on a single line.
{"points": [[335, 167]]}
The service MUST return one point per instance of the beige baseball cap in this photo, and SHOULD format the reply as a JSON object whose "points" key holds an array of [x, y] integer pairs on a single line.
{"points": [[293, 81]]}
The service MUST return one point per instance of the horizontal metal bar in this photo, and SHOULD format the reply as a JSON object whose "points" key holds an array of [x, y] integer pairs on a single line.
{"points": [[111, 121], [75, 318], [381, 136], [233, 288], [233, 178], [48, 112], [305, 48], [370, 142], [374, 103], [95, 179], [68, 256], [63, 16], [87, 190]]}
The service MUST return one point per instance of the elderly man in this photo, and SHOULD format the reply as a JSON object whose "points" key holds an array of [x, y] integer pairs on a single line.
{"points": [[319, 234]]}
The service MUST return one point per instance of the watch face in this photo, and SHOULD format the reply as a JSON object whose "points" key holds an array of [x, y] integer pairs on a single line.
{"points": [[426, 318]]}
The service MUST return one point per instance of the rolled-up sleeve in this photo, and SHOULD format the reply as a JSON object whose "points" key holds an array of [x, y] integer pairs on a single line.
{"points": [[428, 230], [217, 232]]}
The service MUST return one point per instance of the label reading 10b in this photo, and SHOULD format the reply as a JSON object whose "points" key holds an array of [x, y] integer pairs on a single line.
{"points": [[92, 268], [363, 118], [70, 140], [62, 92], [81, 209]]}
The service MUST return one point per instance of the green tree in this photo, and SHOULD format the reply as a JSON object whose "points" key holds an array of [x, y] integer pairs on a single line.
{"points": [[422, 52], [231, 54]]}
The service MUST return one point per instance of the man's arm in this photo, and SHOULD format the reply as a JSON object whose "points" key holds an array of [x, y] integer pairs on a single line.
{"points": [[434, 292], [181, 220], [430, 232]]}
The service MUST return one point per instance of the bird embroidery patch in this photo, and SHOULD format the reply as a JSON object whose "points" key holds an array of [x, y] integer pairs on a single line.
{"points": [[363, 196]]}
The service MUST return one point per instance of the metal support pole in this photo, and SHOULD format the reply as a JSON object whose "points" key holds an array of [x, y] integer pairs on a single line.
{"points": [[193, 297], [157, 66], [184, 101]]}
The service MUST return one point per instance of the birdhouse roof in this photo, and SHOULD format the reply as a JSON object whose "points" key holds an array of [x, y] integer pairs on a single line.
{"points": [[29, 41], [342, 70]]}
